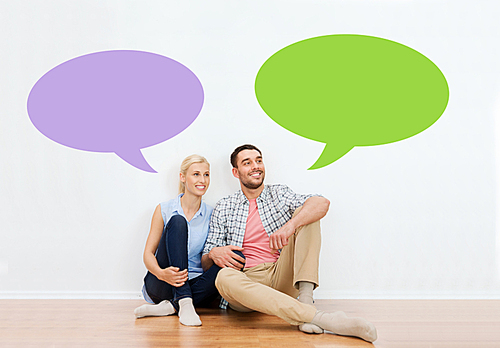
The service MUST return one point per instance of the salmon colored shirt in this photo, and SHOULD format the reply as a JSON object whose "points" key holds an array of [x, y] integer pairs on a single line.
{"points": [[256, 241]]}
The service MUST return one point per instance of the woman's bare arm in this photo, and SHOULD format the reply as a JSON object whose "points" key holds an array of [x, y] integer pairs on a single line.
{"points": [[171, 275]]}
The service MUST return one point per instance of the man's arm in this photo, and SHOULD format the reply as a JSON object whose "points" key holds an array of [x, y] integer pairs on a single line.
{"points": [[215, 250], [223, 257], [314, 209]]}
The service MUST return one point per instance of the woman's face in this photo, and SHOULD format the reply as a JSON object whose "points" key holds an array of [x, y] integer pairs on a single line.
{"points": [[197, 179]]}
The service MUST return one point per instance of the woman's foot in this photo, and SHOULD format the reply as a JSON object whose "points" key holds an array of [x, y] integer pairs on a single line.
{"points": [[187, 314], [154, 310]]}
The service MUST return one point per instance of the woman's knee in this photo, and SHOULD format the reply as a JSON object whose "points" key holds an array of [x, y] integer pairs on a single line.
{"points": [[239, 253], [177, 221]]}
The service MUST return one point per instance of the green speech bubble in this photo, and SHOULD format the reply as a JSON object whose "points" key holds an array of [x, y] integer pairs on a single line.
{"points": [[351, 90]]}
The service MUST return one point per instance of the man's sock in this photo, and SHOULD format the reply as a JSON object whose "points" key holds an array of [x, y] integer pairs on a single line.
{"points": [[154, 310], [341, 324], [306, 296], [187, 314]]}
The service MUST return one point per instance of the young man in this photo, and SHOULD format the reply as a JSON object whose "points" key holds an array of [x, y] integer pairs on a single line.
{"points": [[258, 221]]}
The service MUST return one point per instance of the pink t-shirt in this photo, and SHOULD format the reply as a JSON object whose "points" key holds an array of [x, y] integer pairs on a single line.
{"points": [[256, 241]]}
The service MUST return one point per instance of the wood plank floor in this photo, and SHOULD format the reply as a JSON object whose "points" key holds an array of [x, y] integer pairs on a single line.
{"points": [[111, 323]]}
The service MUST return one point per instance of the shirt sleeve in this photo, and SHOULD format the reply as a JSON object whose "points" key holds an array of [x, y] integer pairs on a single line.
{"points": [[291, 199], [217, 232]]}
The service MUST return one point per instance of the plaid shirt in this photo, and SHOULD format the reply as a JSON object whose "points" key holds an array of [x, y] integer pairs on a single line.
{"points": [[276, 205]]}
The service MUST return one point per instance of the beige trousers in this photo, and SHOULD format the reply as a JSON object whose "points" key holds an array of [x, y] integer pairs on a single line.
{"points": [[272, 288]]}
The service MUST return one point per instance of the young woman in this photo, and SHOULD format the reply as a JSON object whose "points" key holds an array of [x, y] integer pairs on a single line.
{"points": [[175, 281]]}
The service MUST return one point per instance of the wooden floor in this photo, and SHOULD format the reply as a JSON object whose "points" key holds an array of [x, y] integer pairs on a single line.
{"points": [[111, 323]]}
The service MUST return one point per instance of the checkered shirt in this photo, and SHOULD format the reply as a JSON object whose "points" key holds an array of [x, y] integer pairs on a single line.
{"points": [[276, 205]]}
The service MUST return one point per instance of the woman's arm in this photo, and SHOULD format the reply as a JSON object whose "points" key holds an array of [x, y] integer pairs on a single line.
{"points": [[171, 275], [206, 262]]}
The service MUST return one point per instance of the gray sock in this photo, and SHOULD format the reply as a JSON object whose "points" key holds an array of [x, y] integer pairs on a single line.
{"points": [[187, 314], [306, 296], [154, 310], [341, 324]]}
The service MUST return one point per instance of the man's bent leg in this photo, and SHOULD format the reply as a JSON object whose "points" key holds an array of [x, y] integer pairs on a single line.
{"points": [[239, 307], [244, 293], [296, 271], [299, 260]]}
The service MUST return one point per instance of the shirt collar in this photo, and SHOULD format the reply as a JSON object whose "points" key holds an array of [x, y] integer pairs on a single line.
{"points": [[241, 197], [178, 207], [264, 195]]}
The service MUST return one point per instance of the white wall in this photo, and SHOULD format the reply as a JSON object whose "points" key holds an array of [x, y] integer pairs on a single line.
{"points": [[412, 219]]}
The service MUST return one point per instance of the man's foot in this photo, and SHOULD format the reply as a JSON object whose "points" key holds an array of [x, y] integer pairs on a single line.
{"points": [[310, 328], [306, 296], [341, 324], [187, 314], [154, 310]]}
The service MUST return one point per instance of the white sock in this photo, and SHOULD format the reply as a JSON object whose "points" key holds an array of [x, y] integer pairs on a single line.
{"points": [[187, 314], [341, 324], [154, 310], [306, 296]]}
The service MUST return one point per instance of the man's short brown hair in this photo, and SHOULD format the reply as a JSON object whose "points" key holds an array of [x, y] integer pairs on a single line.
{"points": [[238, 150]]}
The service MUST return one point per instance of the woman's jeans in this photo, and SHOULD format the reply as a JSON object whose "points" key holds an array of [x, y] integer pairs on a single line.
{"points": [[173, 251]]}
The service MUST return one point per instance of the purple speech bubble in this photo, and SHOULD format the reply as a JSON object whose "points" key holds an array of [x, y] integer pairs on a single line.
{"points": [[116, 101]]}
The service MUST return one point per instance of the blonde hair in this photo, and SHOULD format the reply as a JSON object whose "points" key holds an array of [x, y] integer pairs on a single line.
{"points": [[186, 163]]}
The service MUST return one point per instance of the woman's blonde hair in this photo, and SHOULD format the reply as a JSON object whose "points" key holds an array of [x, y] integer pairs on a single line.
{"points": [[186, 163]]}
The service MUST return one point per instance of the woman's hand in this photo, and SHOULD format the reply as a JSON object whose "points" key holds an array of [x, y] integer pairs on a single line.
{"points": [[173, 276]]}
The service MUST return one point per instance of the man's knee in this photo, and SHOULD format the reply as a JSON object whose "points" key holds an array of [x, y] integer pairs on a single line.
{"points": [[313, 227], [226, 277], [228, 282]]}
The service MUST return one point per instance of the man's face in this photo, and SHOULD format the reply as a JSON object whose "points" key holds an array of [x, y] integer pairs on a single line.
{"points": [[250, 169]]}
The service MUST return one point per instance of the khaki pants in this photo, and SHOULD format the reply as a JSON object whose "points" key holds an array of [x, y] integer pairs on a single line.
{"points": [[272, 288]]}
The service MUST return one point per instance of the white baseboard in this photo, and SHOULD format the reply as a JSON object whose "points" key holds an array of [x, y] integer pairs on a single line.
{"points": [[63, 295], [438, 295], [318, 294]]}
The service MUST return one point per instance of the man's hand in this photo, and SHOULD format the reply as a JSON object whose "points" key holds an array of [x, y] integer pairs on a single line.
{"points": [[279, 239], [173, 276], [224, 257], [314, 209]]}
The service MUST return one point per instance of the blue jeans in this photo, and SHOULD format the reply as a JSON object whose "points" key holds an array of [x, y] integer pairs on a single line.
{"points": [[173, 251]]}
